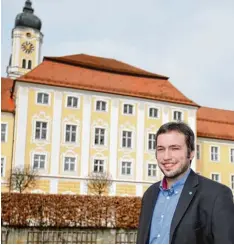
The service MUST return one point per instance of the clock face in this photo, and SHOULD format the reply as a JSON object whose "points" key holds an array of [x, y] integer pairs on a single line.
{"points": [[27, 47]]}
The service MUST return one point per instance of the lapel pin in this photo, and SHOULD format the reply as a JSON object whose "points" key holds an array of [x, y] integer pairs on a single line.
{"points": [[190, 193]]}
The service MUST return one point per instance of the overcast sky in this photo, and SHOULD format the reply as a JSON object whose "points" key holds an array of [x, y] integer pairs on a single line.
{"points": [[191, 41]]}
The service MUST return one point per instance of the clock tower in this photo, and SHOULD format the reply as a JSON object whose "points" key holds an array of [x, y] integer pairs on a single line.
{"points": [[26, 42]]}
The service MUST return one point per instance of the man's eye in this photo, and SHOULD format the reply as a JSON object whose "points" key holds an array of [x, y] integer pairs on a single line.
{"points": [[160, 149], [175, 148]]}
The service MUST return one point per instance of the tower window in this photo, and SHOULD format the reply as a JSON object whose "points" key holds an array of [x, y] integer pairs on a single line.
{"points": [[24, 63], [29, 64]]}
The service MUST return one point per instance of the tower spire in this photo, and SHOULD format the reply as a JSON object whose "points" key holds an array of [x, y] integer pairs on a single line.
{"points": [[28, 7]]}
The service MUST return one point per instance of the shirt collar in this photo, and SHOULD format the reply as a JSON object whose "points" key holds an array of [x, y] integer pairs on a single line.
{"points": [[163, 184]]}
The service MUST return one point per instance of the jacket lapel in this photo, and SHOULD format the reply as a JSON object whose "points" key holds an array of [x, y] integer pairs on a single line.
{"points": [[150, 211], [185, 199]]}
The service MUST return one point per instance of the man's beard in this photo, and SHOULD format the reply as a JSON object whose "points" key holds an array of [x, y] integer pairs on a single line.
{"points": [[176, 173]]}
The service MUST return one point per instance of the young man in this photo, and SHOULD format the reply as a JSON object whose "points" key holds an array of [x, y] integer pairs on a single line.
{"points": [[184, 207]]}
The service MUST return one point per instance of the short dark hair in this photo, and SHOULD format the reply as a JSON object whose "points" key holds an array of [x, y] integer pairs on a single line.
{"points": [[182, 128]]}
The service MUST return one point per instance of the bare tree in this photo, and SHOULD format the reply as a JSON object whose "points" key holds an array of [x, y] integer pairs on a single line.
{"points": [[22, 178], [99, 182]]}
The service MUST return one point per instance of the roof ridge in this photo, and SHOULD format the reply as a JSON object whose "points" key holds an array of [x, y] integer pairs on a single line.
{"points": [[124, 71]]}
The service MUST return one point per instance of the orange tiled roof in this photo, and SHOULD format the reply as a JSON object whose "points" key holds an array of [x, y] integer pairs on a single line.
{"points": [[7, 103], [84, 72], [215, 123], [104, 64]]}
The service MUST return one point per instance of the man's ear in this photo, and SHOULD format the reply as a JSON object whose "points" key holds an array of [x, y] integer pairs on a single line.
{"points": [[191, 156]]}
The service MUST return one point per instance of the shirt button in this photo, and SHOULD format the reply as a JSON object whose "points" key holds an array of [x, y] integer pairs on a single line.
{"points": [[158, 235], [176, 192], [168, 197], [162, 216]]}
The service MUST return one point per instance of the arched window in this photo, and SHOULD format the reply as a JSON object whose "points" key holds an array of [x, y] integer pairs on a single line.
{"points": [[29, 64], [24, 63]]}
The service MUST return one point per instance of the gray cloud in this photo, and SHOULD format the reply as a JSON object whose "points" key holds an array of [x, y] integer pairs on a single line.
{"points": [[189, 41]]}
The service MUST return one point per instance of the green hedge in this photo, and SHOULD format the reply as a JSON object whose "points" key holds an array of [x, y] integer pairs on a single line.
{"points": [[40, 210]]}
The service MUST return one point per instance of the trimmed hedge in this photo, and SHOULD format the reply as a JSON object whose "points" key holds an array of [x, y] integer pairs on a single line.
{"points": [[40, 210]]}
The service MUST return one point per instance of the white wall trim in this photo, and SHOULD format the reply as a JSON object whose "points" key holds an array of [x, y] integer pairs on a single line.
{"points": [[56, 128], [140, 142], [114, 138], [53, 186], [85, 138], [21, 125]]}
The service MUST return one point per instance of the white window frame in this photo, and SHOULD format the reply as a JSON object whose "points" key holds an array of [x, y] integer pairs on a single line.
{"points": [[98, 159], [231, 158], [3, 174], [199, 146], [127, 113], [150, 176], [148, 134], [47, 130], [64, 139], [158, 114], [72, 107], [232, 183], [131, 167], [42, 92], [75, 164], [105, 136], [101, 100], [215, 173], [218, 147], [6, 133], [182, 115], [132, 139], [45, 165]]}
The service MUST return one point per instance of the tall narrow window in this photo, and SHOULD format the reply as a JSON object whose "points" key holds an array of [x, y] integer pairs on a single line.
{"points": [[215, 177], [2, 166], [127, 139], [3, 132], [101, 105], [152, 170], [98, 166], [128, 109], [232, 182], [198, 152], [23, 63], [232, 155], [29, 64], [69, 163], [214, 153], [72, 102], [39, 161], [70, 133], [99, 136], [151, 142], [41, 130], [177, 115], [43, 98], [126, 168], [153, 112]]}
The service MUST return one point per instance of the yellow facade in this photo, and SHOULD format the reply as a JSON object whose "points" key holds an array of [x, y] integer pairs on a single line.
{"points": [[125, 190], [223, 166], [6, 148], [66, 187]]}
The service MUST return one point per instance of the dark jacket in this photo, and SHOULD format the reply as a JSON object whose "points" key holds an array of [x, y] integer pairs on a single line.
{"points": [[205, 216]]}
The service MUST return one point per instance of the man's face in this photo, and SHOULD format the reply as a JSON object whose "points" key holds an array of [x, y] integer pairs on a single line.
{"points": [[172, 154]]}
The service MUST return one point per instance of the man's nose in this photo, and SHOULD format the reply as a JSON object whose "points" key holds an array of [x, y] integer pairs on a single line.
{"points": [[166, 155]]}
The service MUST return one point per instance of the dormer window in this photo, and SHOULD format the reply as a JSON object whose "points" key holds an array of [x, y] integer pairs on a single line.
{"points": [[43, 98]]}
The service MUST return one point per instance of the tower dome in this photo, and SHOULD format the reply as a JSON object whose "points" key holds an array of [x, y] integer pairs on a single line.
{"points": [[27, 18]]}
